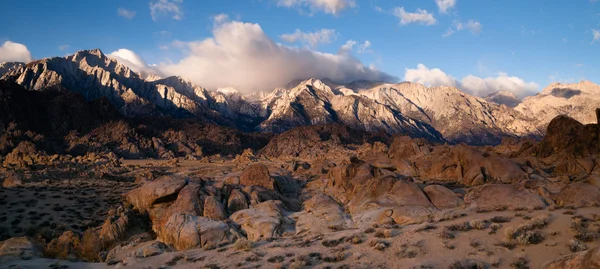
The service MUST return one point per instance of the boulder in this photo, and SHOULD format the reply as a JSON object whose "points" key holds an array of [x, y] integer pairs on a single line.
{"points": [[566, 135], [469, 165], [18, 247], [322, 214], [237, 201], [184, 231], [213, 209], [24, 156], [503, 170], [585, 260], [161, 190], [258, 175], [260, 222], [579, 194], [12, 181], [136, 250], [115, 227], [500, 197], [442, 197]]}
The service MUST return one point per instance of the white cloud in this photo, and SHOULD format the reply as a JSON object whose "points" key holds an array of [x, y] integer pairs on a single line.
{"points": [[242, 56], [14, 52], [128, 14], [471, 84], [421, 16], [596, 34], [220, 18], [429, 77], [472, 26], [365, 47], [133, 61], [503, 82], [378, 9], [166, 7], [322, 36], [347, 47], [63, 47], [445, 5], [326, 6]]}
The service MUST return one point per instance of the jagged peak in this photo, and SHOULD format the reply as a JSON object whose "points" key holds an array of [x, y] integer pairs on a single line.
{"points": [[92, 52]]}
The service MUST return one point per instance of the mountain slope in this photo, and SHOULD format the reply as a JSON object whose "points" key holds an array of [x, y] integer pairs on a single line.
{"points": [[506, 98], [458, 116], [439, 113], [575, 100], [9, 66], [313, 102], [93, 75]]}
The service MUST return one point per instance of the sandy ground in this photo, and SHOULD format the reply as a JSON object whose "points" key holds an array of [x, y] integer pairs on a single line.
{"points": [[412, 246], [58, 205]]}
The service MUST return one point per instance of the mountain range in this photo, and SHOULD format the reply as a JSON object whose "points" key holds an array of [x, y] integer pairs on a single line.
{"points": [[436, 113]]}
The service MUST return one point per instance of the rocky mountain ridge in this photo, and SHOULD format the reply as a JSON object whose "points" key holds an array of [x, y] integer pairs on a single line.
{"points": [[437, 113]]}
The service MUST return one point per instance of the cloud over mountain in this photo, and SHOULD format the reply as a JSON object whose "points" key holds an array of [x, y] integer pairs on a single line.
{"points": [[242, 56], [471, 84], [14, 52], [131, 60]]}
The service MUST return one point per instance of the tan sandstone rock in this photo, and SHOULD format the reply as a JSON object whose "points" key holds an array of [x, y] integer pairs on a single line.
{"points": [[145, 196], [213, 209], [442, 197], [260, 222], [500, 197], [258, 175]]}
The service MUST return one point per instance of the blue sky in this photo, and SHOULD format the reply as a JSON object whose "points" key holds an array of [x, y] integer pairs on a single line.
{"points": [[538, 41]]}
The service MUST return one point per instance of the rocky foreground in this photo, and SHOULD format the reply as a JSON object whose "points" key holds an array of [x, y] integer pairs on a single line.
{"points": [[312, 198]]}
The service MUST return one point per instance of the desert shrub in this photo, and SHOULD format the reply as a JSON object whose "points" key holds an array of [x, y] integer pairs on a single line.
{"points": [[538, 222], [468, 264], [355, 240], [243, 244], [337, 257], [500, 219], [91, 246], [520, 263], [506, 245], [576, 245], [276, 259], [585, 236], [462, 227], [494, 227], [531, 238], [477, 224], [409, 252], [333, 242], [446, 235], [379, 245]]}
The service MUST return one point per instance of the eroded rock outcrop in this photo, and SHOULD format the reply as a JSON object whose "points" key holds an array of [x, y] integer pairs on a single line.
{"points": [[262, 221], [501, 197], [165, 188], [584, 260], [184, 231], [442, 197]]}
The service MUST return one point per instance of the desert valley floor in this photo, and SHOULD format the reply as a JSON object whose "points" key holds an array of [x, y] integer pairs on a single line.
{"points": [[407, 204]]}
